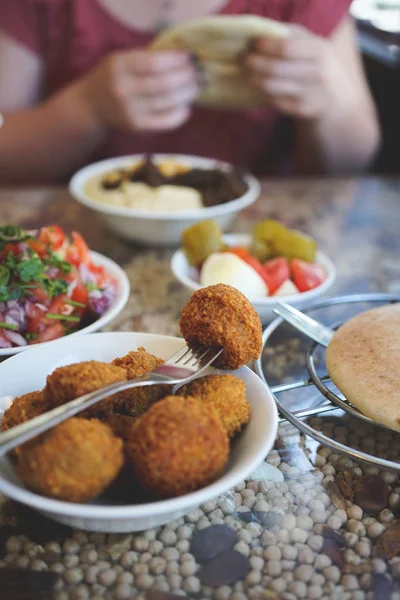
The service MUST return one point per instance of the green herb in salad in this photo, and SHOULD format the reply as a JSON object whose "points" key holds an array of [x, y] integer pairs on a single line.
{"points": [[74, 303], [62, 317], [8, 326]]}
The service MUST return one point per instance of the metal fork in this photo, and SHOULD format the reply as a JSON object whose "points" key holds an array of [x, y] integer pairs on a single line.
{"points": [[178, 369]]}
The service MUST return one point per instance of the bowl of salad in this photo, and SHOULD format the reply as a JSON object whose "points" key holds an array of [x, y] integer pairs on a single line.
{"points": [[270, 264], [52, 285]]}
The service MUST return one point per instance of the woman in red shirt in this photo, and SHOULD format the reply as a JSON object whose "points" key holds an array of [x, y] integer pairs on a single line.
{"points": [[77, 84]]}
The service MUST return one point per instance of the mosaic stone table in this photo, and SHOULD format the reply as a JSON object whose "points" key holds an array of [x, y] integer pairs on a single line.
{"points": [[326, 529]]}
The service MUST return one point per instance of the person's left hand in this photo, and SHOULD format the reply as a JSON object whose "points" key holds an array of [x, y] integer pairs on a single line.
{"points": [[301, 75]]}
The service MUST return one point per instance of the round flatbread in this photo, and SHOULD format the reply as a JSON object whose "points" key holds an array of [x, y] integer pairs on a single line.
{"points": [[363, 361], [219, 43]]}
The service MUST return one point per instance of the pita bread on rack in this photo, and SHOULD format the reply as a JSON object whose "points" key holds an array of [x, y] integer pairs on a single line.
{"points": [[363, 361], [219, 43]]}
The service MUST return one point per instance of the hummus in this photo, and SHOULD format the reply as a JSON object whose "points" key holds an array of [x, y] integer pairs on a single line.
{"points": [[140, 196]]}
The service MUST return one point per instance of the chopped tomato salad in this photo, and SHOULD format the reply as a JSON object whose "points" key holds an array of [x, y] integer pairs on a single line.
{"points": [[49, 286]]}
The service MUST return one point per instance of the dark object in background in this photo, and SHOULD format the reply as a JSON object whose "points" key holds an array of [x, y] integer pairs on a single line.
{"points": [[23, 584], [381, 56]]}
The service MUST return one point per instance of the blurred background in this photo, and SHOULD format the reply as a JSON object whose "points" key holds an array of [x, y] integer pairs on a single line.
{"points": [[379, 34]]}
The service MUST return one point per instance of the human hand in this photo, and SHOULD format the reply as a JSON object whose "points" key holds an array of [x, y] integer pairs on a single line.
{"points": [[301, 75], [141, 90]]}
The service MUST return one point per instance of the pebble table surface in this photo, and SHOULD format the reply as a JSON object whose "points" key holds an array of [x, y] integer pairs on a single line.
{"points": [[309, 523]]}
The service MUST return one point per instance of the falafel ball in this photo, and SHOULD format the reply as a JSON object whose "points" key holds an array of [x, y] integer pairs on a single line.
{"points": [[222, 317], [75, 461], [23, 409], [177, 446], [135, 402], [71, 381], [120, 425], [137, 363], [227, 394]]}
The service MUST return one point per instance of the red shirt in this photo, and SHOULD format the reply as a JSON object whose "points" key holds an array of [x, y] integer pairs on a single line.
{"points": [[72, 35]]}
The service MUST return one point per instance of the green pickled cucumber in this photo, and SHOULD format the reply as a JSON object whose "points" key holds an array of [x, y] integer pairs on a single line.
{"points": [[200, 240], [271, 239], [297, 245], [265, 236]]}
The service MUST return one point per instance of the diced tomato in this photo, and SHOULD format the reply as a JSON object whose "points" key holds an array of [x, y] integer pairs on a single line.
{"points": [[52, 236], [59, 306], [275, 272], [80, 294], [13, 248], [35, 318], [102, 277], [240, 251], [39, 294], [53, 332], [78, 251], [306, 276]]}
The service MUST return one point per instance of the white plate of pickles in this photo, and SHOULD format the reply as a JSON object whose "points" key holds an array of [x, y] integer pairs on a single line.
{"points": [[270, 264]]}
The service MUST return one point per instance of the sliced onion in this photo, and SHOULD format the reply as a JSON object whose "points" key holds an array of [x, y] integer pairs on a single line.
{"points": [[41, 306], [15, 338], [12, 303], [11, 321], [4, 343], [2, 307], [86, 275]]}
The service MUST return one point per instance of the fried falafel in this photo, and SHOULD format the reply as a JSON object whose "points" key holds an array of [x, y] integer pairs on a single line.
{"points": [[23, 409], [136, 401], [137, 362], [76, 461], [69, 382], [227, 394], [222, 317], [177, 446]]}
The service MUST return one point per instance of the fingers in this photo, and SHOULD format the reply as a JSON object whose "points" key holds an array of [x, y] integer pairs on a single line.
{"points": [[300, 44], [261, 65], [161, 121], [278, 87], [164, 83], [144, 62], [184, 95]]}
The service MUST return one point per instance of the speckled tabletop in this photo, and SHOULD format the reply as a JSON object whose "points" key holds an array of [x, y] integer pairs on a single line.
{"points": [[327, 527]]}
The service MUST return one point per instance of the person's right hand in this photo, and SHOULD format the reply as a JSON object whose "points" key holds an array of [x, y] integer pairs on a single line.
{"points": [[140, 90]]}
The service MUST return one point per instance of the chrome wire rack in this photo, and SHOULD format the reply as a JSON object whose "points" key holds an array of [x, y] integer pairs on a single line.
{"points": [[330, 400]]}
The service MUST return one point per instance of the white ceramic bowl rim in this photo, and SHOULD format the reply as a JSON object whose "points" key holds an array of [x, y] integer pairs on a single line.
{"points": [[76, 188], [120, 512], [116, 307], [243, 239]]}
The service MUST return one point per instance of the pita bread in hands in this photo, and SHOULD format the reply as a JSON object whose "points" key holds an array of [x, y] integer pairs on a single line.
{"points": [[363, 361], [219, 43]]}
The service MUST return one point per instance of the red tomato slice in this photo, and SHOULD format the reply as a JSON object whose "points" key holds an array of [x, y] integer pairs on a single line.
{"points": [[39, 294], [275, 272], [52, 236], [53, 332], [59, 307], [78, 251], [35, 318], [13, 248], [306, 276], [80, 294], [240, 251]]}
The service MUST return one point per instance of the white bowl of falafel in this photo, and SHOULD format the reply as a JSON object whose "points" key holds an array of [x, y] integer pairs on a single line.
{"points": [[145, 456]]}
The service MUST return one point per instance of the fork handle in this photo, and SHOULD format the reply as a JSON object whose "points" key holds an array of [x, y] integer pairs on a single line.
{"points": [[26, 431]]}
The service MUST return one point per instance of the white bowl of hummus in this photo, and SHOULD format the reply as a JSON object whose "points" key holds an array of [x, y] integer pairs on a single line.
{"points": [[176, 191]]}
